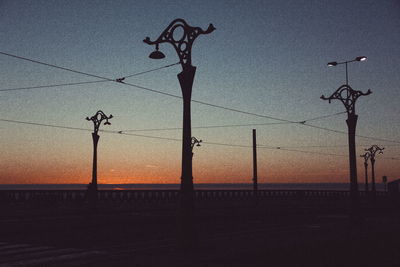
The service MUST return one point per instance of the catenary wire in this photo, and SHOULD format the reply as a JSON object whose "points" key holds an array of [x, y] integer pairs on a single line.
{"points": [[174, 139], [86, 82], [195, 101], [147, 71], [204, 127], [120, 80], [130, 134], [227, 125], [361, 136], [51, 85]]}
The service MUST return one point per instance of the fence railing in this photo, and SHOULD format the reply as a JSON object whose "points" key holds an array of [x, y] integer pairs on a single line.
{"points": [[165, 196]]}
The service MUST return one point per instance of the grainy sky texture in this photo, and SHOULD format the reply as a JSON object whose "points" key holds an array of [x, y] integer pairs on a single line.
{"points": [[265, 57]]}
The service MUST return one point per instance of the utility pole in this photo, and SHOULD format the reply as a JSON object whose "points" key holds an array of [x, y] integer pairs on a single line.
{"points": [[255, 185]]}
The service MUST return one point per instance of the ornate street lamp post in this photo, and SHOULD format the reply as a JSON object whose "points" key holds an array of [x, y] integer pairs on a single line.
{"points": [[372, 151], [181, 36], [96, 119], [366, 158], [183, 46], [348, 97]]}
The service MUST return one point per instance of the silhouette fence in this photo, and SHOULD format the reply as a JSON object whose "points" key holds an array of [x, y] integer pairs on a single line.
{"points": [[168, 196]]}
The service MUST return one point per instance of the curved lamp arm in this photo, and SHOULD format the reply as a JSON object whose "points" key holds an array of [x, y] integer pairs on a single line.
{"points": [[182, 44], [194, 142], [366, 157]]}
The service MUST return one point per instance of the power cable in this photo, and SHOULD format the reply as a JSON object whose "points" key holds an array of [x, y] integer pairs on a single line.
{"points": [[307, 152], [87, 82], [45, 125], [342, 132], [54, 66], [175, 139], [120, 80], [203, 127], [147, 71], [51, 85], [226, 126]]}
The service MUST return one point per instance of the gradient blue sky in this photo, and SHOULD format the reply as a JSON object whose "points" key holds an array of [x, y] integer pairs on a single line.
{"points": [[266, 57]]}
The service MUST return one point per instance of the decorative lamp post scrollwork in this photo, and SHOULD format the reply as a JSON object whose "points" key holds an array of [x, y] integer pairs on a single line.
{"points": [[97, 119], [194, 142], [372, 151], [181, 36], [348, 96]]}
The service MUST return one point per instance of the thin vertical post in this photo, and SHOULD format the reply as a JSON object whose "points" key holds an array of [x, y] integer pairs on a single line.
{"points": [[255, 185], [95, 138], [366, 176], [373, 176]]}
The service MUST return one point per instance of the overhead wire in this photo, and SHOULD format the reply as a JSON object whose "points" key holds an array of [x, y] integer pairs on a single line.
{"points": [[51, 85], [147, 71], [120, 80], [361, 136], [84, 129], [87, 82], [173, 139], [45, 125], [307, 152], [54, 66], [128, 134], [203, 127], [225, 126]]}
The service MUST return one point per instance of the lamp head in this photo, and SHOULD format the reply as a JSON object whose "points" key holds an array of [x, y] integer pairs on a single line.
{"points": [[156, 54], [332, 64], [362, 58]]}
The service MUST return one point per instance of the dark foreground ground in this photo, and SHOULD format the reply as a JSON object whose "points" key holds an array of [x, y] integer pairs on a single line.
{"points": [[274, 233]]}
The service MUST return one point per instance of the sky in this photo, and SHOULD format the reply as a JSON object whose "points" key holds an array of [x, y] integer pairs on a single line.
{"points": [[265, 57]]}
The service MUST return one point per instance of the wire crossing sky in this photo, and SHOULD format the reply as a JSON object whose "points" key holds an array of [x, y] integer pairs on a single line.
{"points": [[264, 67]]}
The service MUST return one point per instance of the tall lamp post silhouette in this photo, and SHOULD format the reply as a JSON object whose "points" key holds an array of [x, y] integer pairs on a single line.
{"points": [[348, 96], [96, 119], [181, 36], [366, 158], [372, 151]]}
